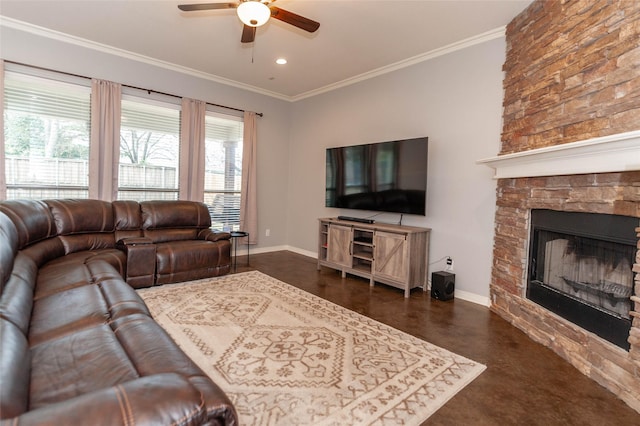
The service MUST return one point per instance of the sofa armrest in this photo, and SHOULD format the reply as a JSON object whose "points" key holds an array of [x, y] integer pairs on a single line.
{"points": [[210, 235], [141, 260], [162, 399], [133, 241]]}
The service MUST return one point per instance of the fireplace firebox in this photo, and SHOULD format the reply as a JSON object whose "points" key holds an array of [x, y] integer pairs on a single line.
{"points": [[580, 268]]}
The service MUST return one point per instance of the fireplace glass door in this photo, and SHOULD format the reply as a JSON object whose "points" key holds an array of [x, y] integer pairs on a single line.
{"points": [[580, 267]]}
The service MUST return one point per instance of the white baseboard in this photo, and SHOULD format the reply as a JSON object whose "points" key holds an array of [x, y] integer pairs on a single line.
{"points": [[307, 253], [267, 249], [472, 297]]}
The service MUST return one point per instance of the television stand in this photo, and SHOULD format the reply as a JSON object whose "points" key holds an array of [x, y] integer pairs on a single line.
{"points": [[390, 254]]}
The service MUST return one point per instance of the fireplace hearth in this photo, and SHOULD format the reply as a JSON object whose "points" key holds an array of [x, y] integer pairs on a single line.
{"points": [[580, 267]]}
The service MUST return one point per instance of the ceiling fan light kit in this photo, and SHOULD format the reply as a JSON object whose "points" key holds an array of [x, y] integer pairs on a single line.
{"points": [[254, 13]]}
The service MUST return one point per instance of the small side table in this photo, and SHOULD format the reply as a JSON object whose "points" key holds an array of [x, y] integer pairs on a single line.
{"points": [[234, 236]]}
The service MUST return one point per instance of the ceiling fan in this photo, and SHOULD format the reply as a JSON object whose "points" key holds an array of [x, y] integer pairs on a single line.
{"points": [[254, 13]]}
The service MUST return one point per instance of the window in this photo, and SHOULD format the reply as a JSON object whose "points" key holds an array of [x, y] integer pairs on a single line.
{"points": [[223, 170], [47, 134], [149, 150], [47, 118]]}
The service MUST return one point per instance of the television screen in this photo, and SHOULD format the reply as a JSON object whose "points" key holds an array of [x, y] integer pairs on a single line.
{"points": [[385, 176]]}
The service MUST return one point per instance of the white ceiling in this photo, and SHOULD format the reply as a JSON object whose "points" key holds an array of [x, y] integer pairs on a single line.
{"points": [[356, 37]]}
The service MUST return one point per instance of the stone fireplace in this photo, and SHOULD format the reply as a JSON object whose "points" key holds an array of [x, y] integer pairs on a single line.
{"points": [[571, 144], [614, 362]]}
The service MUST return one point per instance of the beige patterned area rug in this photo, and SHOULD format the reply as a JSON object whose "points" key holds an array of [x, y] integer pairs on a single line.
{"points": [[287, 357]]}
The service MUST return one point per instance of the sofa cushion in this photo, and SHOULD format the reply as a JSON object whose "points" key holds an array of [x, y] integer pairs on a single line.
{"points": [[61, 275], [174, 214], [154, 352], [151, 349], [81, 216], [97, 302], [83, 224], [15, 364], [66, 312], [122, 299], [9, 248], [190, 260], [16, 300], [78, 269], [87, 242], [32, 220], [45, 251], [169, 235], [106, 264], [163, 399], [81, 362], [128, 219]]}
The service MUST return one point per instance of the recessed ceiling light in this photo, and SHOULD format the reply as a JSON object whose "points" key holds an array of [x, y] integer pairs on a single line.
{"points": [[281, 61]]}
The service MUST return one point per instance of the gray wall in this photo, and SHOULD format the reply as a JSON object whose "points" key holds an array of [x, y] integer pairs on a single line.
{"points": [[456, 101]]}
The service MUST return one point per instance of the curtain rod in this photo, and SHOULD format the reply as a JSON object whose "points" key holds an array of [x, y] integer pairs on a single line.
{"points": [[259, 114]]}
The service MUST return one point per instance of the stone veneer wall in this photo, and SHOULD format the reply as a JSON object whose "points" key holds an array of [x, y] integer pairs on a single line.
{"points": [[612, 193], [572, 72]]}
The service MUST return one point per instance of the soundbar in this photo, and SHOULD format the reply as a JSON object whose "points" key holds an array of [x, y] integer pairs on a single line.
{"points": [[356, 219]]}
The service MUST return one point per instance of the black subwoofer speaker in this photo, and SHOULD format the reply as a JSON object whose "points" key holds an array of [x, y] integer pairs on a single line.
{"points": [[443, 285]]}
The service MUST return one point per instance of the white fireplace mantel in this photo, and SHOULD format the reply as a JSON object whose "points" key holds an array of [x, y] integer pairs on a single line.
{"points": [[615, 153]]}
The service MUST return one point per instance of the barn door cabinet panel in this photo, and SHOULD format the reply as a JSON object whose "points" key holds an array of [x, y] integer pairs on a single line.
{"points": [[390, 254], [340, 243]]}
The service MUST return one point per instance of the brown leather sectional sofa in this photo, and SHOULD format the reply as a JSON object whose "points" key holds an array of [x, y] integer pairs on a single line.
{"points": [[77, 344]]}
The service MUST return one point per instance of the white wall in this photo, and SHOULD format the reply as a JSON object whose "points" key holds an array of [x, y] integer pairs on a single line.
{"points": [[273, 128], [455, 100]]}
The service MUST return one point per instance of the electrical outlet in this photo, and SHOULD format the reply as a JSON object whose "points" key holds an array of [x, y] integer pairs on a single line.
{"points": [[267, 232], [449, 266]]}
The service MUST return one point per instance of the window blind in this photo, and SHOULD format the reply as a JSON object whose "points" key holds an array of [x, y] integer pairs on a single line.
{"points": [[223, 170], [47, 134], [46, 98]]}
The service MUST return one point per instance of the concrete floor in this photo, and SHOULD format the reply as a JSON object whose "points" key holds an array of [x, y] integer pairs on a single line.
{"points": [[524, 383]]}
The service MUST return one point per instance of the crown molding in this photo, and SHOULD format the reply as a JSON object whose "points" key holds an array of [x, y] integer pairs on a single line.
{"points": [[614, 153], [453, 47], [104, 48]]}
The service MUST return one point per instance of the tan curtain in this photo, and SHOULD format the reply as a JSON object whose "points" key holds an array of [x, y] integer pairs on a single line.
{"points": [[104, 154], [249, 197], [3, 177], [192, 135]]}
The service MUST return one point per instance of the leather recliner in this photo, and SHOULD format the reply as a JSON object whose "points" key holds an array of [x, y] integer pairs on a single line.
{"points": [[77, 343]]}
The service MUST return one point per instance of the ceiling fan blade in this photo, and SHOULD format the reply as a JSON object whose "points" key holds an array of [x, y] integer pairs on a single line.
{"points": [[206, 6], [248, 34], [294, 19]]}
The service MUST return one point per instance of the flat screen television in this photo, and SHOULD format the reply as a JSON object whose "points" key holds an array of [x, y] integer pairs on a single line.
{"points": [[384, 176]]}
